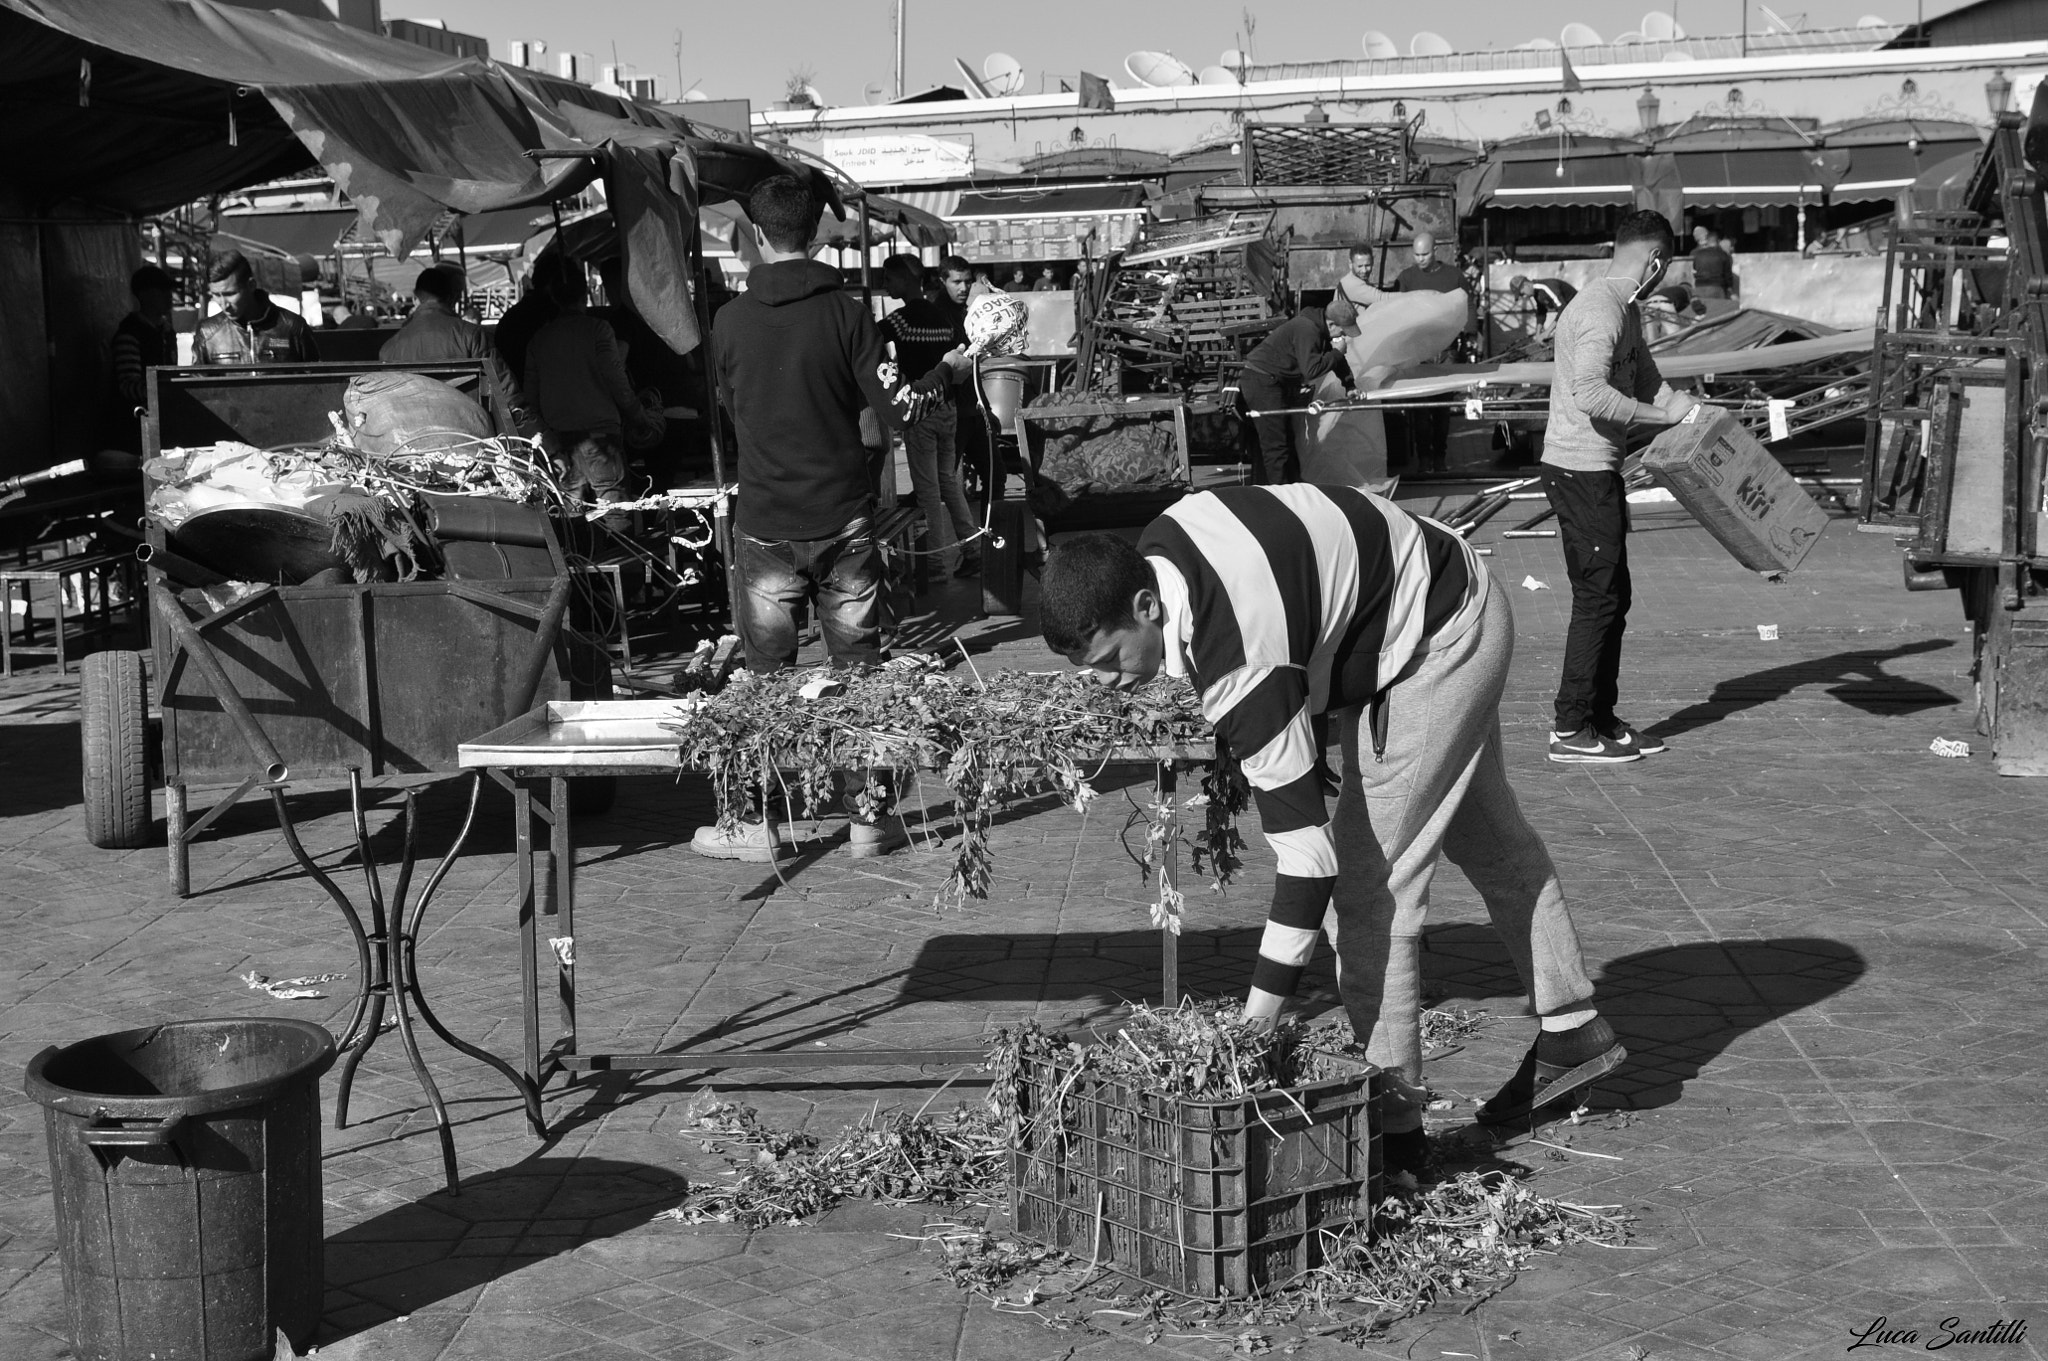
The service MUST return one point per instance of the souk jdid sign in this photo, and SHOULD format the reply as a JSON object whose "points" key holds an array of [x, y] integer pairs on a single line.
{"points": [[895, 157]]}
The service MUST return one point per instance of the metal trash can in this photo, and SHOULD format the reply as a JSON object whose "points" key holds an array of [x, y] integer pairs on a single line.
{"points": [[185, 1160]]}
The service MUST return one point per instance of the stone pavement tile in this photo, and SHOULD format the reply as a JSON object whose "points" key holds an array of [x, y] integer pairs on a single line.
{"points": [[514, 1337], [419, 1338]]}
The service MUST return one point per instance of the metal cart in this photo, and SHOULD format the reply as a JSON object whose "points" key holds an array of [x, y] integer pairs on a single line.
{"points": [[261, 688]]}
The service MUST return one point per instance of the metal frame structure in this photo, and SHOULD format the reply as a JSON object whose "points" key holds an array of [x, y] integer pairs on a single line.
{"points": [[527, 759], [1958, 442]]}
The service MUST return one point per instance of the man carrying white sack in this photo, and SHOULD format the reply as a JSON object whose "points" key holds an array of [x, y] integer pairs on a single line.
{"points": [[1284, 604]]}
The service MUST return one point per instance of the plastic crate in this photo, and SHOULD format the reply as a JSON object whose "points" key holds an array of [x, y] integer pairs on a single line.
{"points": [[1206, 1198]]}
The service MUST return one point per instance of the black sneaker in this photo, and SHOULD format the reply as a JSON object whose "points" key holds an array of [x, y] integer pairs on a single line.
{"points": [[1558, 1064], [1588, 748], [1631, 739]]}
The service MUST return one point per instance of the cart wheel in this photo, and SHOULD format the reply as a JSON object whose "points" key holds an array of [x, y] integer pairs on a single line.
{"points": [[593, 795], [114, 729]]}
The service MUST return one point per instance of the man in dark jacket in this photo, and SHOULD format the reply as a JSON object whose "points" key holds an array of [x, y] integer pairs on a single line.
{"points": [[144, 340], [435, 331], [1284, 365], [523, 319], [249, 328], [1420, 439]]}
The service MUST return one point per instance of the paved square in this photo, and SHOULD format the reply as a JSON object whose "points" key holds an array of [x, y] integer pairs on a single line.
{"points": [[1822, 944]]}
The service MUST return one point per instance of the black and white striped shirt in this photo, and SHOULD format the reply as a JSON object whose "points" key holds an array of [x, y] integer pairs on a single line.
{"points": [[1282, 604]]}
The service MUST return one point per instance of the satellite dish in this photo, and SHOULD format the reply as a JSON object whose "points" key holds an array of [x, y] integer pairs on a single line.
{"points": [[1578, 35], [1427, 44], [1215, 75], [1003, 75], [1629, 39], [1160, 70], [1537, 45], [1776, 22], [817, 99], [1873, 21], [696, 97], [1379, 47], [1658, 27], [874, 92], [975, 85], [1233, 60]]}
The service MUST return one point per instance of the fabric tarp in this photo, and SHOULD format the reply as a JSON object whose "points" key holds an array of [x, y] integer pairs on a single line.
{"points": [[293, 233]]}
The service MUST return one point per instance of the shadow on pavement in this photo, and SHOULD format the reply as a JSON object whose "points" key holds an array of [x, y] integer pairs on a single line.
{"points": [[1858, 679], [1677, 1009], [405, 1259]]}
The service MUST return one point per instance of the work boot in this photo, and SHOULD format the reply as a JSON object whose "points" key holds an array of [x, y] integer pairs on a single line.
{"points": [[873, 826], [866, 839], [758, 842], [1560, 1063]]}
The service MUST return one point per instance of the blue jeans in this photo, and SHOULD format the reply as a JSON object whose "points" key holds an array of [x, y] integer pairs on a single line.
{"points": [[930, 449], [779, 577]]}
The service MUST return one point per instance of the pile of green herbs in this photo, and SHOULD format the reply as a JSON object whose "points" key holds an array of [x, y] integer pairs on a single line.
{"points": [[784, 736], [1463, 1236], [788, 1177]]}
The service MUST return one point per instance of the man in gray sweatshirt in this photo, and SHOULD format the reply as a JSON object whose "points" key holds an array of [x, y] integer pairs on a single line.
{"points": [[1606, 382]]}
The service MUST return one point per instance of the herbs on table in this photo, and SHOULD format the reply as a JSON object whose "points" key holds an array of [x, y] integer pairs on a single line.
{"points": [[783, 736]]}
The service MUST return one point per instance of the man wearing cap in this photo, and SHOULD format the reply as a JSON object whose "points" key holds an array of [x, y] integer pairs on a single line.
{"points": [[1547, 296], [1284, 365]]}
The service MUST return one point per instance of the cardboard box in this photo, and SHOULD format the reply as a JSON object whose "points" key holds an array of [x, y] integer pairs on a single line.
{"points": [[1734, 487]]}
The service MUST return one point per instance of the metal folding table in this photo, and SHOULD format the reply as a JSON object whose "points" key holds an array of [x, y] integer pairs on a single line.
{"points": [[536, 755]]}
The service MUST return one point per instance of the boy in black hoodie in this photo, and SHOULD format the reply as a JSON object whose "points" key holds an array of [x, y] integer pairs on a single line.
{"points": [[796, 358]]}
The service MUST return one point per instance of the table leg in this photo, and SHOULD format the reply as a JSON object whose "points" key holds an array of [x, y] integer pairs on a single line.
{"points": [[1169, 882], [529, 988], [407, 962], [562, 845]]}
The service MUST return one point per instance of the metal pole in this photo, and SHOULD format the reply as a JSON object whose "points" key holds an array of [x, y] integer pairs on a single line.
{"points": [[899, 47], [867, 278], [721, 512]]}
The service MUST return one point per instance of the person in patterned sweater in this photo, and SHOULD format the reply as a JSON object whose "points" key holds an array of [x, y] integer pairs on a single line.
{"points": [[1285, 604], [929, 335]]}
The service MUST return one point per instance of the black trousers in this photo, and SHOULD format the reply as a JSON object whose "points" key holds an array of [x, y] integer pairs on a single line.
{"points": [[1279, 463], [1592, 527]]}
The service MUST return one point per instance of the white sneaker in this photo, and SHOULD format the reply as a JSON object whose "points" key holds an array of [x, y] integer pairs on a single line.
{"points": [[759, 842]]}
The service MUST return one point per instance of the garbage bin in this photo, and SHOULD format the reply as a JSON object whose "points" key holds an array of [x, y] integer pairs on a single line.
{"points": [[185, 1160]]}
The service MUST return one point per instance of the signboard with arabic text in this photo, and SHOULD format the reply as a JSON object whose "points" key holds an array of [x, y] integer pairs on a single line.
{"points": [[898, 157]]}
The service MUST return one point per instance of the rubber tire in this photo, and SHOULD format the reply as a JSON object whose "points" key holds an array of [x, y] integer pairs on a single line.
{"points": [[114, 739]]}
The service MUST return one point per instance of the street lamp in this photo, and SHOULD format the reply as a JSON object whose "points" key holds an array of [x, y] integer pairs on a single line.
{"points": [[1998, 93], [1647, 108]]}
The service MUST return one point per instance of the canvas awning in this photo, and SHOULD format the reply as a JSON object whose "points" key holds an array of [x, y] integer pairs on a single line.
{"points": [[1083, 201], [143, 105], [1574, 182]]}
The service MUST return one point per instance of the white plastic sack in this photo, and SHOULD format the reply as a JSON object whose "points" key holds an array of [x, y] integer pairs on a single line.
{"points": [[1349, 448], [229, 473]]}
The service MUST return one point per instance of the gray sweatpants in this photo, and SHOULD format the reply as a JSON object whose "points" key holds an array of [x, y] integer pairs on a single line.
{"points": [[1442, 786]]}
